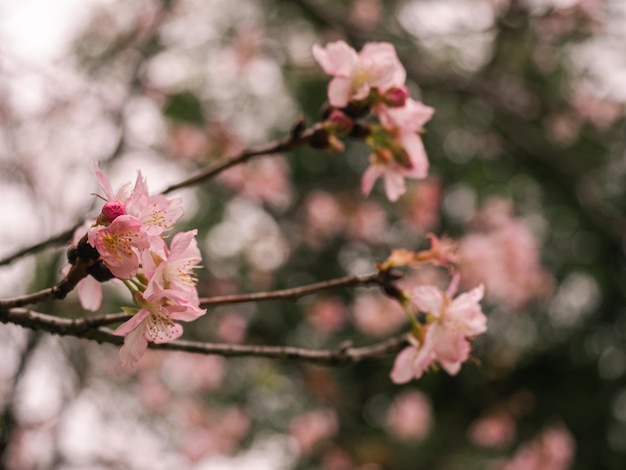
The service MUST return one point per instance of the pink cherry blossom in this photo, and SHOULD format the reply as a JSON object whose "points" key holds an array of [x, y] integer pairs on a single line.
{"points": [[118, 244], [120, 196], [173, 268], [444, 339], [399, 151], [356, 74], [155, 322], [157, 213]]}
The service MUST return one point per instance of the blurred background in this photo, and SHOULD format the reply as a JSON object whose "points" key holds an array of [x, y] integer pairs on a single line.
{"points": [[528, 172]]}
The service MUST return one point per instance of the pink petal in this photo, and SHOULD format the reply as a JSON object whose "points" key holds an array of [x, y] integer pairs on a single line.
{"points": [[103, 181], [383, 55], [89, 293], [428, 299], [394, 185], [131, 324], [184, 244], [339, 91], [412, 143], [338, 58], [402, 371], [135, 345], [369, 178]]}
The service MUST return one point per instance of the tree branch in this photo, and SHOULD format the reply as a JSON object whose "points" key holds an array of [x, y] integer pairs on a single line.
{"points": [[296, 292], [284, 145], [82, 328]]}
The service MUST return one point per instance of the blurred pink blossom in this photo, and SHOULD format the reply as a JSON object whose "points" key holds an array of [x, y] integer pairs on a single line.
{"points": [[262, 180], [231, 328], [322, 217], [422, 205], [313, 427], [327, 314], [493, 430], [503, 254], [410, 416], [186, 142], [554, 449], [377, 316], [191, 372], [601, 112]]}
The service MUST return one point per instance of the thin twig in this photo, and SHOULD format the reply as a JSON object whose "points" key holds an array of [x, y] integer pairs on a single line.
{"points": [[81, 329], [59, 239], [295, 292], [284, 145]]}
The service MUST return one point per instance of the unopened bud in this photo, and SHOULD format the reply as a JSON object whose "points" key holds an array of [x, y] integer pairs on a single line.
{"points": [[396, 97], [338, 123], [112, 210]]}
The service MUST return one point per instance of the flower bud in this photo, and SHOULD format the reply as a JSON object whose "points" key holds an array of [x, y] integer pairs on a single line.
{"points": [[338, 123], [396, 97], [112, 210]]}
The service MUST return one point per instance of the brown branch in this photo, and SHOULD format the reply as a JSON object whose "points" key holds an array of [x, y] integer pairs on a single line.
{"points": [[81, 328], [296, 292], [59, 239], [284, 145]]}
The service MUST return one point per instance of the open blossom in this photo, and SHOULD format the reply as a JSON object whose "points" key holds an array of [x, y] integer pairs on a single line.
{"points": [[356, 74], [399, 152], [173, 268], [157, 212], [155, 321], [444, 339], [119, 244], [170, 295]]}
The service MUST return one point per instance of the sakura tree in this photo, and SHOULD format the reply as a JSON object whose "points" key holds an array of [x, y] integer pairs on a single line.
{"points": [[316, 235]]}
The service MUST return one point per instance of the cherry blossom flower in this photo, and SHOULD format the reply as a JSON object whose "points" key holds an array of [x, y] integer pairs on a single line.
{"points": [[398, 149], [120, 196], [118, 244], [357, 74], [173, 268], [444, 339], [155, 321], [157, 212]]}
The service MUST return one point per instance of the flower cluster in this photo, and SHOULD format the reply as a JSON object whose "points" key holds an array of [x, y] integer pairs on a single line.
{"points": [[448, 322], [128, 241], [374, 80], [442, 324]]}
